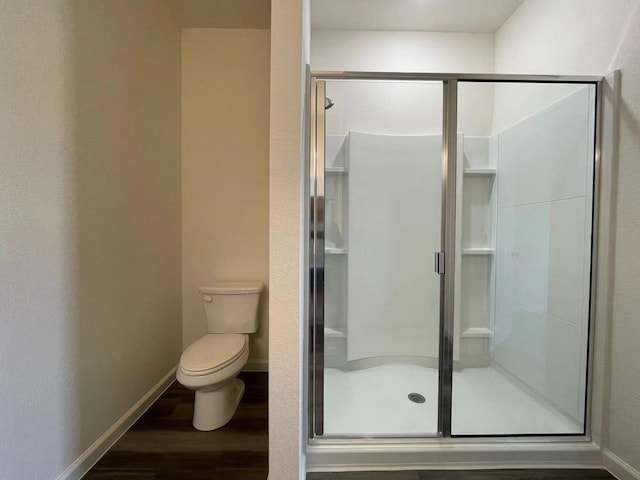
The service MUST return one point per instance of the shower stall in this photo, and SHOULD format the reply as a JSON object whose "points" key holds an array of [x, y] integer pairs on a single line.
{"points": [[451, 255]]}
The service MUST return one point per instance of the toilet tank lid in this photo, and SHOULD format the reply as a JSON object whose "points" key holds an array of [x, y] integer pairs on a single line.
{"points": [[231, 288]]}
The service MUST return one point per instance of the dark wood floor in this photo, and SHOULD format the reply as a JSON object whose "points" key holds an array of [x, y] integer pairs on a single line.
{"points": [[468, 475], [163, 445]]}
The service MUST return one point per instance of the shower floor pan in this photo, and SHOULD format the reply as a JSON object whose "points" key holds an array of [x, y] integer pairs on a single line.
{"points": [[374, 401]]}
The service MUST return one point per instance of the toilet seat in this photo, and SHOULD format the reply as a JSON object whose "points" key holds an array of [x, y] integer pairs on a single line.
{"points": [[212, 353]]}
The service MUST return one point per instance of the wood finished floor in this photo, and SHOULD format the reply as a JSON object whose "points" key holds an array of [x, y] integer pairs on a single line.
{"points": [[163, 445]]}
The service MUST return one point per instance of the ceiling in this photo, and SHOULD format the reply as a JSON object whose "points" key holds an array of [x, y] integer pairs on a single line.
{"points": [[472, 16]]}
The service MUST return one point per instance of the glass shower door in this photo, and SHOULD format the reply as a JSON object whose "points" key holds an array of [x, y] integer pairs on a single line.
{"points": [[377, 190], [527, 206], [498, 179]]}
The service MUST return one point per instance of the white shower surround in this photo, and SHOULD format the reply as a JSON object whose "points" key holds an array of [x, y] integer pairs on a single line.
{"points": [[545, 177], [554, 366], [389, 206], [394, 228]]}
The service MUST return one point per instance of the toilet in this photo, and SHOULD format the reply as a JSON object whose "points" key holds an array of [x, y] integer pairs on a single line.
{"points": [[211, 364]]}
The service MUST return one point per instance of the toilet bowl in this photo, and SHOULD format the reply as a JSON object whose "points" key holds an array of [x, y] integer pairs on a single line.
{"points": [[210, 365]]}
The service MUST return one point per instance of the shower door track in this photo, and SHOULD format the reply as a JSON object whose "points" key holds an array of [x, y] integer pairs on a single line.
{"points": [[316, 230]]}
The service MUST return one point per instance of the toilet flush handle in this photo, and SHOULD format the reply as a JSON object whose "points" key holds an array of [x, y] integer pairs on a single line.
{"points": [[207, 298]]}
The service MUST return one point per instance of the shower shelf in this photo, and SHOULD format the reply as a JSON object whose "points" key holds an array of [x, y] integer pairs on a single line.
{"points": [[477, 333], [342, 170], [478, 251], [335, 251], [480, 172]]}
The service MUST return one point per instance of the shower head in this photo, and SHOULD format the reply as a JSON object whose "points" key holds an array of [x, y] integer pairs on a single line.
{"points": [[328, 103]]}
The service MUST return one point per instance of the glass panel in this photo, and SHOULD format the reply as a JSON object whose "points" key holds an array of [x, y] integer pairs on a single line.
{"points": [[383, 225], [523, 322]]}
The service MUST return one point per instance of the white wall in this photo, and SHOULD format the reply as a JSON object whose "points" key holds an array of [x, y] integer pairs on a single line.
{"points": [[403, 108], [596, 36], [394, 228], [225, 171], [543, 250], [287, 181], [89, 221], [388, 51], [565, 37]]}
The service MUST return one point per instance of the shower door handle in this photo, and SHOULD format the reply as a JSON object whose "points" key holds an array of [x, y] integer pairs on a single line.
{"points": [[438, 264]]}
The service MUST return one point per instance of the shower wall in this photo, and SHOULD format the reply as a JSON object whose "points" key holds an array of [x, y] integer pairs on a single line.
{"points": [[543, 250], [394, 228], [382, 227]]}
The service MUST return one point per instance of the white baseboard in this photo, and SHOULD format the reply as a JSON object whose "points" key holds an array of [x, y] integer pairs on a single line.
{"points": [[451, 455], [98, 448], [256, 366], [618, 467]]}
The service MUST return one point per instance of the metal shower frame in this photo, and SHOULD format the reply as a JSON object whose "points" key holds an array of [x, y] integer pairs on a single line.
{"points": [[316, 230]]}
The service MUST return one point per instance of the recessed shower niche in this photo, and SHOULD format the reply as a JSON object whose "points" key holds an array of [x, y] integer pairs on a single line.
{"points": [[452, 257]]}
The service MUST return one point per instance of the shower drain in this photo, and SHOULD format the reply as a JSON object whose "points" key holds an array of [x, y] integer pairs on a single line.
{"points": [[416, 398]]}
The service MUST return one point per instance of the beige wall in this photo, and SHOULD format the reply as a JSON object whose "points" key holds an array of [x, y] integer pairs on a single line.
{"points": [[89, 221], [289, 53], [225, 170], [250, 14]]}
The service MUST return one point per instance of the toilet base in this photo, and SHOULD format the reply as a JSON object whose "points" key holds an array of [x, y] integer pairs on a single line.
{"points": [[214, 408]]}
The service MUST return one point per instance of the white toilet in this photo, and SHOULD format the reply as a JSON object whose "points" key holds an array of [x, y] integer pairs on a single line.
{"points": [[210, 365]]}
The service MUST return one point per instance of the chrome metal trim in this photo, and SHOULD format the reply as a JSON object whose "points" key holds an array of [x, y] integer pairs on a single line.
{"points": [[392, 437], [308, 361], [468, 77], [311, 260], [430, 440], [595, 225], [448, 240], [318, 255]]}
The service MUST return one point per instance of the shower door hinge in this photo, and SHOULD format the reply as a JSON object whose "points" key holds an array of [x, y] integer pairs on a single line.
{"points": [[439, 262]]}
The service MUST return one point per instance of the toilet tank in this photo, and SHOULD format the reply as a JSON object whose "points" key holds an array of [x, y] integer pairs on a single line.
{"points": [[231, 307]]}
